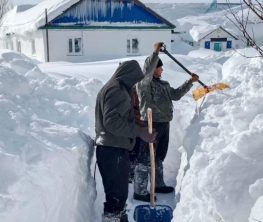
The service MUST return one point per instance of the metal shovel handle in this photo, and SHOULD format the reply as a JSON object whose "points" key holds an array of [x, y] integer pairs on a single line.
{"points": [[163, 49]]}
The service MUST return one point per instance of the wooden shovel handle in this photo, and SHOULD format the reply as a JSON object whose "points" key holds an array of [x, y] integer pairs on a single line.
{"points": [[152, 187]]}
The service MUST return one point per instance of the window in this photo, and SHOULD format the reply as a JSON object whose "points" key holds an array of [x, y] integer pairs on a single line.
{"points": [[207, 44], [218, 39], [18, 46], [70, 46], [33, 47], [11, 45], [133, 46], [229, 44], [75, 46], [128, 46]]}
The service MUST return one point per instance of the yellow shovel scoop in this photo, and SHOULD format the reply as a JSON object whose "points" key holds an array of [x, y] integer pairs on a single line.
{"points": [[200, 92]]}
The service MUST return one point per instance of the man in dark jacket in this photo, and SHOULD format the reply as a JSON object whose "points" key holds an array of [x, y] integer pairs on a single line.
{"points": [[158, 94], [116, 134]]}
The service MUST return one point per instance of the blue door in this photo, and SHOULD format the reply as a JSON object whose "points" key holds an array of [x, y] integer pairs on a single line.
{"points": [[217, 46], [229, 44], [207, 44]]}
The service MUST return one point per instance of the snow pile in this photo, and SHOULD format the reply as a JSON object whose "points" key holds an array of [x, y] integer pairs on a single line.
{"points": [[224, 178], [47, 111], [42, 154], [43, 143]]}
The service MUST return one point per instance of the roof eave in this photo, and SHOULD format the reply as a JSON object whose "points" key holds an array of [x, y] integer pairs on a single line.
{"points": [[220, 27], [103, 27]]}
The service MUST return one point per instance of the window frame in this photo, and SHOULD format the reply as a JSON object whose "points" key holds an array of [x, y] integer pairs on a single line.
{"points": [[229, 44], [207, 44], [33, 47], [73, 43], [130, 43], [19, 46]]}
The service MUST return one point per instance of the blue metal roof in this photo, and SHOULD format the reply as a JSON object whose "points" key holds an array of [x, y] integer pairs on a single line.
{"points": [[86, 12]]}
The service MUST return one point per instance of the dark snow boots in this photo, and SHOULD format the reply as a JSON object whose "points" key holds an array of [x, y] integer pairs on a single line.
{"points": [[141, 182], [115, 217], [164, 189]]}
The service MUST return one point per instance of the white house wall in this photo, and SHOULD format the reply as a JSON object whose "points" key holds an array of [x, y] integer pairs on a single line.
{"points": [[26, 46], [23, 44], [103, 44], [96, 44], [224, 48], [40, 46]]}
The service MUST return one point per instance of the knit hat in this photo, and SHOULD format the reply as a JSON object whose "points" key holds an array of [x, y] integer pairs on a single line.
{"points": [[159, 64]]}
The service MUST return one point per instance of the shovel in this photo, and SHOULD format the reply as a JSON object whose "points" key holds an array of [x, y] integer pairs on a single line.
{"points": [[200, 92], [152, 212]]}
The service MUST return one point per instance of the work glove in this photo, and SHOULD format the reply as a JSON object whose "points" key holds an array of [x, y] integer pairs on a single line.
{"points": [[145, 136], [194, 78], [157, 47]]}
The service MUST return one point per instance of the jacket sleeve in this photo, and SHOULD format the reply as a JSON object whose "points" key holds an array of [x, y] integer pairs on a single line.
{"points": [[136, 108], [149, 66], [117, 116], [179, 92], [144, 87]]}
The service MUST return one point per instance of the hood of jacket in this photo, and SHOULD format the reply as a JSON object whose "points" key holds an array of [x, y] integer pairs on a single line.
{"points": [[128, 73]]}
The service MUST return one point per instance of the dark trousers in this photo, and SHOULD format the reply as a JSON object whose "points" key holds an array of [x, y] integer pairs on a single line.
{"points": [[160, 146], [134, 158], [142, 168], [114, 168]]}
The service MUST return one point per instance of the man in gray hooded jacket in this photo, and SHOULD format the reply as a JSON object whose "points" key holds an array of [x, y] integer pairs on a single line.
{"points": [[116, 134], [157, 94]]}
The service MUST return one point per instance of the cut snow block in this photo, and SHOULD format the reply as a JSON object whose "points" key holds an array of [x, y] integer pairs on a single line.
{"points": [[159, 213]]}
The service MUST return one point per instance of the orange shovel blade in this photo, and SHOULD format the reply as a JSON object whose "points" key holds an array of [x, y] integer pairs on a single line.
{"points": [[200, 92]]}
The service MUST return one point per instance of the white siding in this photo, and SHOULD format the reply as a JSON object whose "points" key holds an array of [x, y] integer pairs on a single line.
{"points": [[103, 44], [23, 44], [26, 45], [95, 44]]}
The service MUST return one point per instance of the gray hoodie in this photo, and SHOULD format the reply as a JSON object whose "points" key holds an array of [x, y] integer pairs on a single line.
{"points": [[114, 117]]}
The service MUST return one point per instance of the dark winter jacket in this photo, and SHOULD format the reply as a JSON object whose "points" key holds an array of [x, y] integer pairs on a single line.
{"points": [[136, 107], [115, 122], [158, 94]]}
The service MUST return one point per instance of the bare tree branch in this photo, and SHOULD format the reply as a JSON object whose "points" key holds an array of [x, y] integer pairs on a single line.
{"points": [[242, 22], [5, 5], [255, 7]]}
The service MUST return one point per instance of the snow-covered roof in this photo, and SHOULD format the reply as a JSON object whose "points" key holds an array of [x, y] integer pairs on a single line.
{"points": [[21, 22], [22, 8], [197, 32], [29, 20]]}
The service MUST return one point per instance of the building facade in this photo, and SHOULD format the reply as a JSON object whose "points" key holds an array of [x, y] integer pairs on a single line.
{"points": [[88, 30], [219, 40]]}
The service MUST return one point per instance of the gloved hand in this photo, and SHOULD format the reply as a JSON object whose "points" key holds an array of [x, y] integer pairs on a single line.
{"points": [[157, 47], [145, 136], [194, 78]]}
